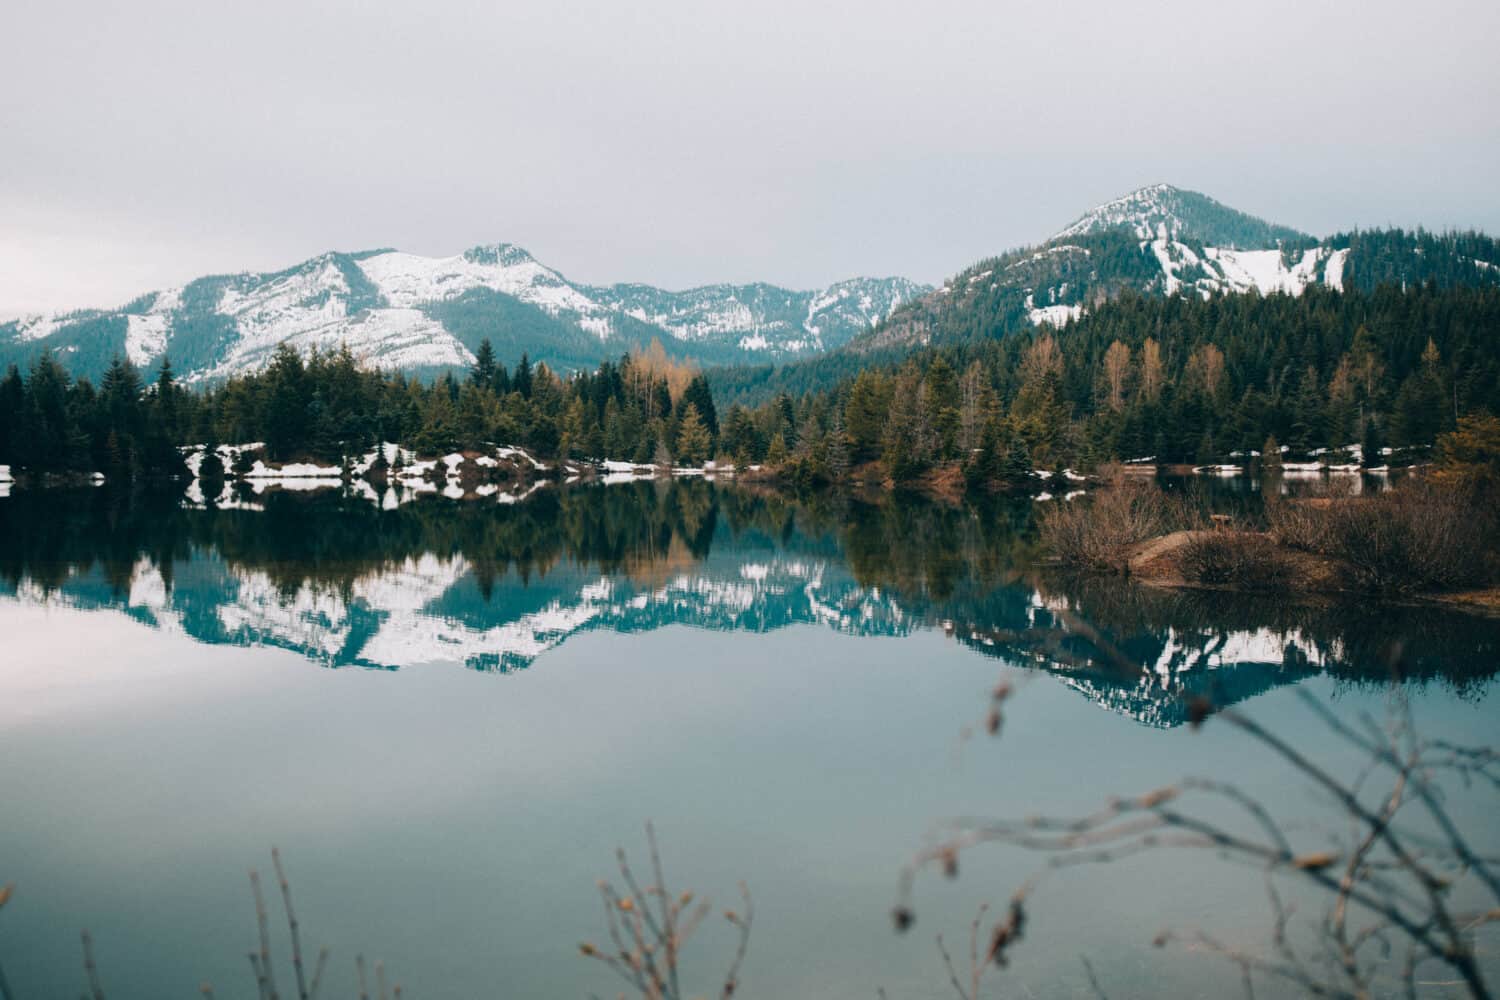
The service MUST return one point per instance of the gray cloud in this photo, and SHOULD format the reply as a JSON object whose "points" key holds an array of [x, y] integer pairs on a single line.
{"points": [[686, 142]]}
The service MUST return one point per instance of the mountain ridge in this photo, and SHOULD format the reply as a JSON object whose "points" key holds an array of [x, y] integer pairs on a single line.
{"points": [[425, 314], [1163, 240], [1183, 214]]}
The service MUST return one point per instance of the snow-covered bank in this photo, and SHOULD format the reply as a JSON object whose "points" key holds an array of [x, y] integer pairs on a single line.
{"points": [[390, 474]]}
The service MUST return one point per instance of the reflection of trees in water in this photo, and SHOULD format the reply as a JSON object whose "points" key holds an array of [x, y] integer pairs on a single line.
{"points": [[931, 553], [969, 568], [329, 540], [1355, 640], [904, 545]]}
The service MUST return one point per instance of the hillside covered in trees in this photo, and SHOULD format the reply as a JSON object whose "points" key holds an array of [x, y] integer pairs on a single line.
{"points": [[1153, 253], [1172, 379]]}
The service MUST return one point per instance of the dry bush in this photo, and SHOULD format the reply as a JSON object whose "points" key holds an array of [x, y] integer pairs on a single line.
{"points": [[1406, 889], [1422, 535], [1244, 560], [262, 966], [1096, 532], [649, 925], [1299, 524]]}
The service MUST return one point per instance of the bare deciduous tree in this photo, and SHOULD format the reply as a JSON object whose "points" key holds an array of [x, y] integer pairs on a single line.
{"points": [[650, 925], [1151, 370], [1390, 882], [1116, 371]]}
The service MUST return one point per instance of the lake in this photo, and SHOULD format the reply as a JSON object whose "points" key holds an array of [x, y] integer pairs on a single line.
{"points": [[448, 715]]}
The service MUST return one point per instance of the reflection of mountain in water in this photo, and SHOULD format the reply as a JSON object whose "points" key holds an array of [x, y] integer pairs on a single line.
{"points": [[1148, 653], [344, 585], [430, 609]]}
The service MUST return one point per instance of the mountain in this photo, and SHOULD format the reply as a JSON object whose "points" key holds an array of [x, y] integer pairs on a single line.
{"points": [[1162, 240], [425, 314], [1161, 210]]}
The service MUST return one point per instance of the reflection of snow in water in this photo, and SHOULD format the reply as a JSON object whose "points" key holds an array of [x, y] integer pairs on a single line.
{"points": [[414, 611]]}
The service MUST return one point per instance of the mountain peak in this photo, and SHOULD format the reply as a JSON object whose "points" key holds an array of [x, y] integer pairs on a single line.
{"points": [[1164, 211], [426, 314], [505, 254]]}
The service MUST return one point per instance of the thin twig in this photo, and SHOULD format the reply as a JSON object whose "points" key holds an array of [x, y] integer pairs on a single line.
{"points": [[291, 919], [262, 923], [90, 968]]}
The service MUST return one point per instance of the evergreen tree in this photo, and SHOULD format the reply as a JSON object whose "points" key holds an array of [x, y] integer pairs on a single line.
{"points": [[865, 415], [521, 381], [482, 375], [836, 447], [776, 453], [693, 441], [697, 394]]}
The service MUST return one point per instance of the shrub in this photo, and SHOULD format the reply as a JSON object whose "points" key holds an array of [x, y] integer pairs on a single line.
{"points": [[1240, 559], [1300, 524], [1422, 535], [1470, 454], [211, 466], [1095, 532]]}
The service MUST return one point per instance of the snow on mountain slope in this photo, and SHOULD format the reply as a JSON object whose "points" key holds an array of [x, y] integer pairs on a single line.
{"points": [[1265, 271], [1162, 240], [763, 317], [399, 310], [146, 333], [407, 280], [1162, 211], [1207, 270], [1140, 211]]}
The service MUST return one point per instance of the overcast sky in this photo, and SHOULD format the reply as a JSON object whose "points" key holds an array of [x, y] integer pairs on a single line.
{"points": [[691, 141]]}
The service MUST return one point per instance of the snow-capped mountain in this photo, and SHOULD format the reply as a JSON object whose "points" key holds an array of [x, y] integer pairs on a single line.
{"points": [[764, 317], [405, 311], [1163, 210], [1162, 240]]}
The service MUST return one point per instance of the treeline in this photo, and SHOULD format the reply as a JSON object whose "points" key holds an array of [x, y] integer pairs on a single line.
{"points": [[1177, 379], [645, 408], [51, 423]]}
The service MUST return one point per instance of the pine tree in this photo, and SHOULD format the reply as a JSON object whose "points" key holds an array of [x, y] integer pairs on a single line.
{"points": [[521, 381], [242, 465], [12, 413], [1018, 468], [836, 448], [211, 466], [482, 374], [698, 394], [776, 454], [865, 415], [693, 441], [941, 400]]}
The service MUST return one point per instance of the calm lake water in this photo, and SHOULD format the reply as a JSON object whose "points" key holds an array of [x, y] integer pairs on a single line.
{"points": [[448, 715]]}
